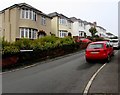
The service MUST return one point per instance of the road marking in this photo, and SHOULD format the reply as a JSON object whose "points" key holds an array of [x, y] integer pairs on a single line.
{"points": [[116, 52], [91, 80], [93, 77]]}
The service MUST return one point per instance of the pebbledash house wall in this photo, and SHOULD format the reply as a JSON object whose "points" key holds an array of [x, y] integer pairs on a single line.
{"points": [[78, 27], [56, 26], [1, 25], [75, 29], [9, 25], [12, 22]]}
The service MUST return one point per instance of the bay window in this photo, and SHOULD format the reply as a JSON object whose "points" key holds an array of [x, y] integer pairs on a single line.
{"points": [[62, 33], [28, 33]]}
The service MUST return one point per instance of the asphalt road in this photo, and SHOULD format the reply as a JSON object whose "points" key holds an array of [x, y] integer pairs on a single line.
{"points": [[65, 75]]}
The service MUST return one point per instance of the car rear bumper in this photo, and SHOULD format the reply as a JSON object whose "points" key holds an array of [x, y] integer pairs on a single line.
{"points": [[96, 57]]}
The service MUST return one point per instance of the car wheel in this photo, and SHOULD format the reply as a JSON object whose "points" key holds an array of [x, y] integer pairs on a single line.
{"points": [[108, 58], [88, 61], [113, 53]]}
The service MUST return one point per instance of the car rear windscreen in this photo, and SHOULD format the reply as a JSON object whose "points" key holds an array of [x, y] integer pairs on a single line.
{"points": [[95, 46]]}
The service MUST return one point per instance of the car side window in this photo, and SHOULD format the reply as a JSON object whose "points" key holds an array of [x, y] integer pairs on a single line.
{"points": [[107, 45]]}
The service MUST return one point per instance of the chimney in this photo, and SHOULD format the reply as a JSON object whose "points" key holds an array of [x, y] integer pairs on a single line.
{"points": [[95, 23]]}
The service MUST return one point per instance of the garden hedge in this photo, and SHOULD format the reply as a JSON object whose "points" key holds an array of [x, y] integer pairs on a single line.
{"points": [[43, 48]]}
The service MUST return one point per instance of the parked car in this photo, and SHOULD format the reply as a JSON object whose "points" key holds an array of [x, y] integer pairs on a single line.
{"points": [[85, 40], [101, 50], [115, 43]]}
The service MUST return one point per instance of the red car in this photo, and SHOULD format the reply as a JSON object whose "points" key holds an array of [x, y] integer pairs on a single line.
{"points": [[86, 40], [101, 50]]}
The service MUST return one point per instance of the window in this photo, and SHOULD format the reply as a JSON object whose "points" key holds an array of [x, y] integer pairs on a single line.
{"points": [[43, 21], [28, 14], [62, 21], [34, 16], [81, 33], [28, 33], [95, 46], [62, 34], [34, 34], [21, 33], [23, 13], [107, 44]]}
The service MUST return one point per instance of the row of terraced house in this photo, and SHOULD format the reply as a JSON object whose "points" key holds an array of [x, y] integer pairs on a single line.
{"points": [[24, 21]]}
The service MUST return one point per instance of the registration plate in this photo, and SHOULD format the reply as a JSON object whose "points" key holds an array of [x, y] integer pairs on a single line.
{"points": [[94, 52]]}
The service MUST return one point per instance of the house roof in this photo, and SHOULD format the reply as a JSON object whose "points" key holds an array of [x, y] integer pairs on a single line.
{"points": [[54, 14], [85, 22], [108, 33], [75, 19], [101, 27], [24, 5]]}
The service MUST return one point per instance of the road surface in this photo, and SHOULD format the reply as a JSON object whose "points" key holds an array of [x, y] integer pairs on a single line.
{"points": [[69, 74]]}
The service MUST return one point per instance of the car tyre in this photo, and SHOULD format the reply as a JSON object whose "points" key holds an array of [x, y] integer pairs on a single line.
{"points": [[108, 58], [113, 53], [88, 61]]}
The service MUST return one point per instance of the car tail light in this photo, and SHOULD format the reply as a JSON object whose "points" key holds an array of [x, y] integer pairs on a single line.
{"points": [[87, 52]]}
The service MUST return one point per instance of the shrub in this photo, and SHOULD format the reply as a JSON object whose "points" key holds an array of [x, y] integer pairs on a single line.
{"points": [[24, 43], [66, 41], [5, 43], [10, 50], [48, 39], [46, 47]]}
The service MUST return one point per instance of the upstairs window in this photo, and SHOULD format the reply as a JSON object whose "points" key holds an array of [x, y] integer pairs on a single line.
{"points": [[43, 20], [28, 14], [62, 21]]}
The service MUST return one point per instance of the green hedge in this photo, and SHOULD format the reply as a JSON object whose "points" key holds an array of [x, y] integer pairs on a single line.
{"points": [[46, 47]]}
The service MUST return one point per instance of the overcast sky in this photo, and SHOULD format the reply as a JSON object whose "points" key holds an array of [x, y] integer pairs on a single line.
{"points": [[104, 12]]}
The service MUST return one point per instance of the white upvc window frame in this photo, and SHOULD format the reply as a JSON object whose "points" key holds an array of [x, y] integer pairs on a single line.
{"points": [[25, 14], [62, 21], [43, 20], [21, 30], [29, 35], [26, 32], [62, 33], [22, 13]]}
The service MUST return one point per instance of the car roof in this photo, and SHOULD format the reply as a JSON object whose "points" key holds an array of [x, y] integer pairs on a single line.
{"points": [[98, 42]]}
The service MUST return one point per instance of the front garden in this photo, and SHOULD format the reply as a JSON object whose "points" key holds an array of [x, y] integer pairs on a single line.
{"points": [[25, 52]]}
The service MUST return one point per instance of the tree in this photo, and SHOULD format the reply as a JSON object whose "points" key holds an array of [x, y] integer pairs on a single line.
{"points": [[93, 31]]}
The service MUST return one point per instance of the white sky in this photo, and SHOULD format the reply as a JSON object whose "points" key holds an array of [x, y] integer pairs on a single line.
{"points": [[104, 12]]}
